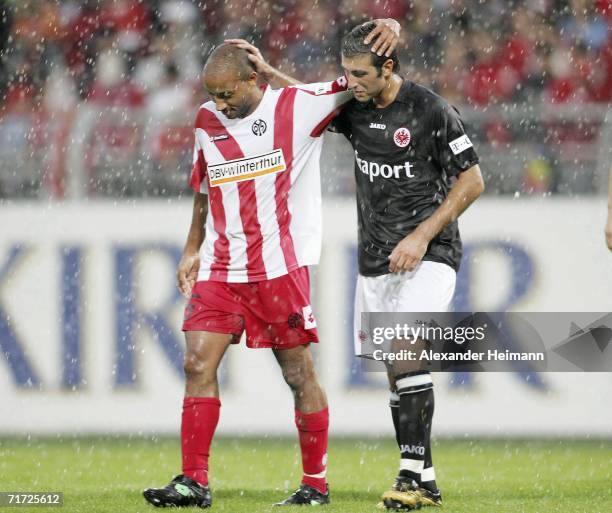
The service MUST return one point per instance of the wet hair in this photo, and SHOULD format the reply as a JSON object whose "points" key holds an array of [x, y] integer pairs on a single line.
{"points": [[227, 57], [352, 45]]}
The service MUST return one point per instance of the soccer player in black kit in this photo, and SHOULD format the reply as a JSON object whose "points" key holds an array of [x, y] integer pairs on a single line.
{"points": [[410, 145], [416, 172]]}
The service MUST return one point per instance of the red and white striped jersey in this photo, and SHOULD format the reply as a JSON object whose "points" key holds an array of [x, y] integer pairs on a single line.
{"points": [[261, 174]]}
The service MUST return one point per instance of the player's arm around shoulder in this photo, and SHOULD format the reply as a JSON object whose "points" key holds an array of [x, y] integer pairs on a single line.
{"points": [[384, 39], [189, 265]]}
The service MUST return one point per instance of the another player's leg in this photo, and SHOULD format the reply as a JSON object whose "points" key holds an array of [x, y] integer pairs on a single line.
{"points": [[430, 289], [404, 494], [201, 407], [414, 388], [430, 495], [312, 422], [416, 413]]}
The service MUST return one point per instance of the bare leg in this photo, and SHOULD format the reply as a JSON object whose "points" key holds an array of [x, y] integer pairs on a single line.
{"points": [[299, 373], [311, 419], [201, 406], [202, 358]]}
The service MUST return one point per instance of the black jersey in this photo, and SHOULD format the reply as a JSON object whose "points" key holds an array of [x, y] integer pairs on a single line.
{"points": [[405, 155]]}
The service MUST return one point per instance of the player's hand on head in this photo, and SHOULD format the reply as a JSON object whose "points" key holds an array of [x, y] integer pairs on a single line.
{"points": [[255, 56], [384, 37], [409, 252], [187, 273]]}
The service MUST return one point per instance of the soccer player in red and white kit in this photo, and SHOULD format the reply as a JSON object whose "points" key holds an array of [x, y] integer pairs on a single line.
{"points": [[256, 226]]}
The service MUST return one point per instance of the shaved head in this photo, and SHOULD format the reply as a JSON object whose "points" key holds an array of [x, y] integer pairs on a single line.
{"points": [[231, 81], [229, 60]]}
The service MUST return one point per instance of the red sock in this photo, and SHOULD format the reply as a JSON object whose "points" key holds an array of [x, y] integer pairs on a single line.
{"points": [[200, 418], [312, 428]]}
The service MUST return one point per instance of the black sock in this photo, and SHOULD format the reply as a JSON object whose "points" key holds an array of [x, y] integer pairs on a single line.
{"points": [[415, 409], [428, 476], [394, 406]]}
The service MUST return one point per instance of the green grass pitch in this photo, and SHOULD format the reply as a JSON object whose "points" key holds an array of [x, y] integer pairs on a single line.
{"points": [[107, 475]]}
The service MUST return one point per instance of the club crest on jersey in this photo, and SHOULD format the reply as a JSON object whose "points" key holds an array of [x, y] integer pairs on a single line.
{"points": [[259, 127], [401, 137], [247, 168]]}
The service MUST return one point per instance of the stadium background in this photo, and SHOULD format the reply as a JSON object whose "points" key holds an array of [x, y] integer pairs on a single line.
{"points": [[98, 98]]}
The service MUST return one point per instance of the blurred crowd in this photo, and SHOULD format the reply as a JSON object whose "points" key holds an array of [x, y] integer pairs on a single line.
{"points": [[122, 57], [138, 52]]}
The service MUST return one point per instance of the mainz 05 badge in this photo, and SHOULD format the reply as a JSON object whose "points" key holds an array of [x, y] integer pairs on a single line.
{"points": [[259, 127]]}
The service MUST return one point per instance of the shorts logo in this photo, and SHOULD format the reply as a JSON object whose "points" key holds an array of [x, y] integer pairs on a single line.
{"points": [[401, 137], [247, 168], [309, 320], [295, 320], [189, 311], [259, 127]]}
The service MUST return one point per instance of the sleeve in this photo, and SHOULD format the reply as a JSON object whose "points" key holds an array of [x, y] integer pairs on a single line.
{"points": [[197, 177], [319, 103], [340, 124], [453, 149]]}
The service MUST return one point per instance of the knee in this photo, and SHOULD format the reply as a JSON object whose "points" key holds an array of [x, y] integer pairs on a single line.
{"points": [[196, 369], [297, 376]]}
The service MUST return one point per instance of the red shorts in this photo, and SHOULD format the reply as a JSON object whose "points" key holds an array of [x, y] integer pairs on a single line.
{"points": [[275, 313]]}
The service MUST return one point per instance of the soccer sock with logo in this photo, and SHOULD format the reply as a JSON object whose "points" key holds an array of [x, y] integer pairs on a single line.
{"points": [[312, 430], [200, 418], [394, 406], [416, 393]]}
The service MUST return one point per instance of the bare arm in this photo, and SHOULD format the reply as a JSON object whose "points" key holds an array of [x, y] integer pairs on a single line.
{"points": [[410, 250], [385, 37], [187, 272], [609, 222]]}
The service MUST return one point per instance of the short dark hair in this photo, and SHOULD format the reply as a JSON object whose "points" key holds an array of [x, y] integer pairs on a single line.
{"points": [[229, 57], [352, 44]]}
